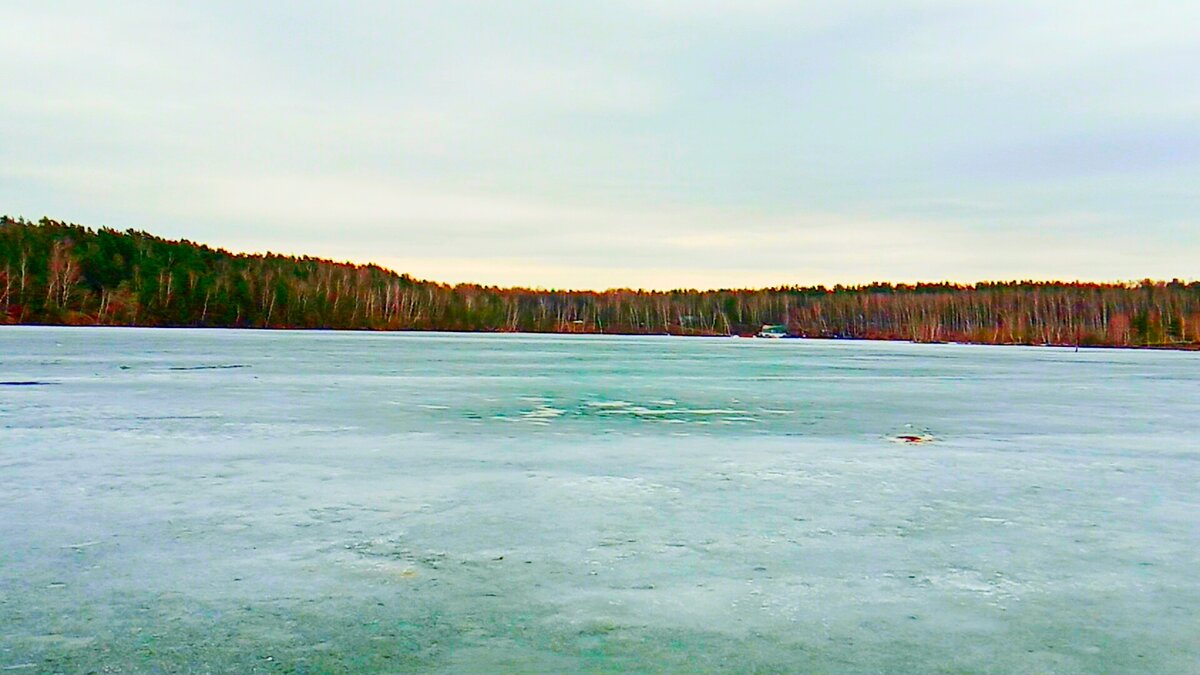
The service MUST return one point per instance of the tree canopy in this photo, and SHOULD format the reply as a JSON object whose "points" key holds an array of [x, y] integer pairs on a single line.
{"points": [[59, 273]]}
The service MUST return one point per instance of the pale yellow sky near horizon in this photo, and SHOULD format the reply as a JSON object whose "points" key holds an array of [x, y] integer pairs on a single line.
{"points": [[517, 273]]}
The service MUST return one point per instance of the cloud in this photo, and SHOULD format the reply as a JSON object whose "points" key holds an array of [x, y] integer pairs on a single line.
{"points": [[1023, 40], [620, 144]]}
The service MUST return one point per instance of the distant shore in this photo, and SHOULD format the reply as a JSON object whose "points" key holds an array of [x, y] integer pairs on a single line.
{"points": [[55, 273], [1184, 347]]}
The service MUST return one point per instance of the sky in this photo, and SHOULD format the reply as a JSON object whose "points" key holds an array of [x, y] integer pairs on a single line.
{"points": [[640, 143]]}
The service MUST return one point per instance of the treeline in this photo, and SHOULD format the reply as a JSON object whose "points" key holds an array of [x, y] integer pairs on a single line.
{"points": [[57, 273]]}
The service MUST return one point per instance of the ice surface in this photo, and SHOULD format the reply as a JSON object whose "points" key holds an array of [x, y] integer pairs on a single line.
{"points": [[247, 501]]}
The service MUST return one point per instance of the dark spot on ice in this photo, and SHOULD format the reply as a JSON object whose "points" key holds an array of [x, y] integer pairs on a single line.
{"points": [[760, 568], [24, 383], [217, 367]]}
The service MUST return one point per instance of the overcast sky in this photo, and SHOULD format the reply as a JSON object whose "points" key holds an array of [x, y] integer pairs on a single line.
{"points": [[642, 143]]}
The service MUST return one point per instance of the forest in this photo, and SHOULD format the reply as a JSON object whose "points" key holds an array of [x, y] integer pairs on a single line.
{"points": [[58, 273]]}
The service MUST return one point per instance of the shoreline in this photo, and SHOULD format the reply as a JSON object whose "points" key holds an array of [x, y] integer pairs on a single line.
{"points": [[1182, 347], [157, 282]]}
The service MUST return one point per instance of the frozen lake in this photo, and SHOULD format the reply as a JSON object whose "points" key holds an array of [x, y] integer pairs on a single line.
{"points": [[245, 501]]}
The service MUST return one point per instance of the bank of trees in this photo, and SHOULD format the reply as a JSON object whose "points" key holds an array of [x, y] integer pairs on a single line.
{"points": [[56, 273]]}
